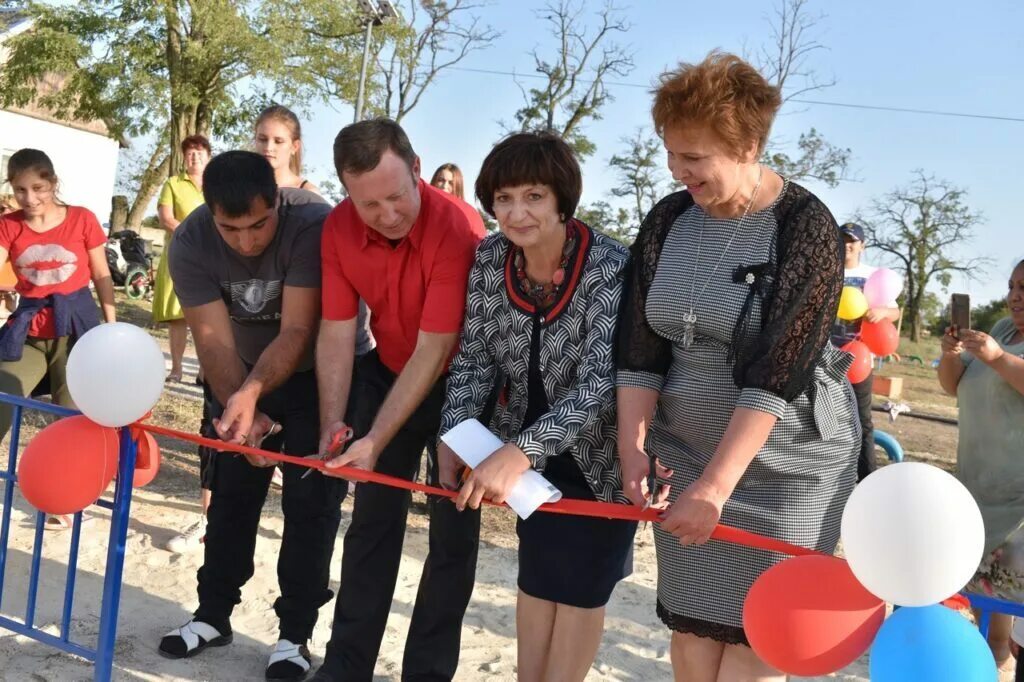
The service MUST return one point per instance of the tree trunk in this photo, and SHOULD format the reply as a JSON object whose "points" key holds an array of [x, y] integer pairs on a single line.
{"points": [[118, 213], [151, 181]]}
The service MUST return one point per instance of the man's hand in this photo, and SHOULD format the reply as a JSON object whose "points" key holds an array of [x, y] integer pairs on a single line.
{"points": [[494, 478], [236, 421], [263, 427], [362, 454]]}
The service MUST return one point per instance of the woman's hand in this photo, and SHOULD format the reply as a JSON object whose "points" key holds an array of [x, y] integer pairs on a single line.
{"points": [[981, 345], [951, 345], [494, 478], [448, 466], [695, 513], [636, 469]]}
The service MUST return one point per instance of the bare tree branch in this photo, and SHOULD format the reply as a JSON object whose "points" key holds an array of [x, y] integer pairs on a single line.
{"points": [[413, 62], [574, 90]]}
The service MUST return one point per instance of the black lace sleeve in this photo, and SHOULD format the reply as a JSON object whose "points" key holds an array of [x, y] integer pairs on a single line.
{"points": [[802, 304], [643, 356]]}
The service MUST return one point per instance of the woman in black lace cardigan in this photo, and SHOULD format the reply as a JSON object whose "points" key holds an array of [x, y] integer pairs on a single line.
{"points": [[725, 371], [543, 297]]}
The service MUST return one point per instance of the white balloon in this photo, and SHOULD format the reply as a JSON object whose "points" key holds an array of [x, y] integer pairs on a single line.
{"points": [[913, 534], [115, 373]]}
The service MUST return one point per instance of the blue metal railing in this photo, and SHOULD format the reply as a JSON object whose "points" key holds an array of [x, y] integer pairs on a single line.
{"points": [[103, 654]]}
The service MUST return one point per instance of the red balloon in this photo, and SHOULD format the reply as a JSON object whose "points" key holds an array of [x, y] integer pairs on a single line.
{"points": [[861, 367], [147, 458], [810, 616], [880, 337], [68, 465]]}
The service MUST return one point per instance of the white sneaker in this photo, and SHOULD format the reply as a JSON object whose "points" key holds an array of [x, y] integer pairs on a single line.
{"points": [[190, 540]]}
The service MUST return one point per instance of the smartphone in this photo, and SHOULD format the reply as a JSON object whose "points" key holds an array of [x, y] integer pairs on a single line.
{"points": [[960, 311]]}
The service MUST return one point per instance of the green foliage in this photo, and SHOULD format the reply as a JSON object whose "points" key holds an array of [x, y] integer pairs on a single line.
{"points": [[148, 65], [923, 227], [617, 223], [639, 171], [818, 159], [984, 317]]}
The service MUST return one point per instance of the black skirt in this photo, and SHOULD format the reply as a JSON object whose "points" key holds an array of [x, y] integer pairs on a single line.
{"points": [[573, 560]]}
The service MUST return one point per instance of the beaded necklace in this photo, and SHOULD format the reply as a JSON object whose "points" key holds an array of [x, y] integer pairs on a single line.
{"points": [[544, 294]]}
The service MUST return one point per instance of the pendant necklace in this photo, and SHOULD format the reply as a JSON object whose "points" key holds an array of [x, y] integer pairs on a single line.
{"points": [[690, 318]]}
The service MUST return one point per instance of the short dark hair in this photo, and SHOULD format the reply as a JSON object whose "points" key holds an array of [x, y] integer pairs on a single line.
{"points": [[233, 179], [196, 142], [359, 147], [541, 158]]}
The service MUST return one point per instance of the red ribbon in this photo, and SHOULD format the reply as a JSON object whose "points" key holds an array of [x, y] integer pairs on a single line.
{"points": [[604, 510]]}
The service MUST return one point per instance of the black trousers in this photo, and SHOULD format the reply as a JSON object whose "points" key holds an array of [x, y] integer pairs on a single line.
{"points": [[373, 550], [866, 461], [312, 512]]}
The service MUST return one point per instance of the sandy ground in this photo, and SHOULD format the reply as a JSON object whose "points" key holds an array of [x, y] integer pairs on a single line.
{"points": [[159, 592]]}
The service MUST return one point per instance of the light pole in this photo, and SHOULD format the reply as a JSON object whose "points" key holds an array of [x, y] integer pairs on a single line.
{"points": [[375, 12]]}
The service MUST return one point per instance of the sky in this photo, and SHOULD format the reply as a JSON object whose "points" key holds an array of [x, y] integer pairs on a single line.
{"points": [[935, 55]]}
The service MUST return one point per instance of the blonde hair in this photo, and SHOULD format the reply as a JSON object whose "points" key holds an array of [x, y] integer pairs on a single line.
{"points": [[287, 117]]}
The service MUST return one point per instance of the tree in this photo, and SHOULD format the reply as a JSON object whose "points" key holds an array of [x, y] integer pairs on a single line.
{"points": [[785, 63], [573, 89], [180, 67], [984, 317], [639, 170], [614, 222], [419, 51], [924, 227]]}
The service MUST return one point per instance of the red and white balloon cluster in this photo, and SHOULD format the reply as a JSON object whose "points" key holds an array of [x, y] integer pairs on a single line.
{"points": [[115, 374], [913, 536], [880, 338]]}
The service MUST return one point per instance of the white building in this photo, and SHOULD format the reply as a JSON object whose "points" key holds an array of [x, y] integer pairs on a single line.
{"points": [[83, 153]]}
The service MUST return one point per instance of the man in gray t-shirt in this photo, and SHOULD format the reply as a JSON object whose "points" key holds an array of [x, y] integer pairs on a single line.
{"points": [[246, 268]]}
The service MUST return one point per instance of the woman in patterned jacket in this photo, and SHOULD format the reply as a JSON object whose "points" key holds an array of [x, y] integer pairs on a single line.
{"points": [[541, 309]]}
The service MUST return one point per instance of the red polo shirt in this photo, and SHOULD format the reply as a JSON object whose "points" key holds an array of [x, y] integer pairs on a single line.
{"points": [[418, 284]]}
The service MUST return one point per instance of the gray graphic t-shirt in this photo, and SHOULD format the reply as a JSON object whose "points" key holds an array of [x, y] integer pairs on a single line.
{"points": [[204, 269]]}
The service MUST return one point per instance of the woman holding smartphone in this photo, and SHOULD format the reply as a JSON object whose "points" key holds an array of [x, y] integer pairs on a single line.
{"points": [[986, 374]]}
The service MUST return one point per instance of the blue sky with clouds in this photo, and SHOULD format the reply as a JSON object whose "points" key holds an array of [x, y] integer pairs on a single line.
{"points": [[939, 55]]}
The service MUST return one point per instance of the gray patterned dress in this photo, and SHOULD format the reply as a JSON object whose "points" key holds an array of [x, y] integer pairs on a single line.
{"points": [[764, 296]]}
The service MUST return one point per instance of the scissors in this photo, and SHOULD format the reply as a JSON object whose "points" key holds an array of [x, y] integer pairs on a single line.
{"points": [[340, 438], [652, 482]]}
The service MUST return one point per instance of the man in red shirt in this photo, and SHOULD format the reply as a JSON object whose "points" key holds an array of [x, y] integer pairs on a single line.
{"points": [[405, 248]]}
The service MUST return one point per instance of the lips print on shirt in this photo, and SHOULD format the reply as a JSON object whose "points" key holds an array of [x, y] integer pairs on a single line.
{"points": [[46, 264]]}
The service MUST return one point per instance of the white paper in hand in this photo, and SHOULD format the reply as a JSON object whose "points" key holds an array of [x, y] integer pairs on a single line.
{"points": [[473, 443]]}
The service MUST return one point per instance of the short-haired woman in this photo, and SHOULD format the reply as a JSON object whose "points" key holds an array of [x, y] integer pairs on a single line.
{"points": [[448, 178], [543, 296], [278, 138], [725, 370], [179, 197]]}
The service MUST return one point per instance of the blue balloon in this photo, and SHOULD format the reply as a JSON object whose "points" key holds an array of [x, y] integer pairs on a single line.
{"points": [[931, 643]]}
